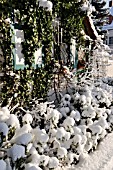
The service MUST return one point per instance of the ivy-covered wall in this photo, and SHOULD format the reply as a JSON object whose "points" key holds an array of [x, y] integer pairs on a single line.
{"points": [[36, 19]]}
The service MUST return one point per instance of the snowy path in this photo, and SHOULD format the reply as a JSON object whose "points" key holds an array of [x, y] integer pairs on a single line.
{"points": [[101, 159]]}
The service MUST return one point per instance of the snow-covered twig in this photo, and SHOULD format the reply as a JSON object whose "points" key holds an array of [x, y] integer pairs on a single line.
{"points": [[14, 107]]}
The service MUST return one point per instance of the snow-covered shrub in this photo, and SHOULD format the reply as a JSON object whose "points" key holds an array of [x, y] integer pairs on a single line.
{"points": [[55, 137]]}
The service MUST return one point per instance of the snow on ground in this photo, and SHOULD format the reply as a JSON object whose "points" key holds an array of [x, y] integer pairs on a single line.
{"points": [[101, 159]]}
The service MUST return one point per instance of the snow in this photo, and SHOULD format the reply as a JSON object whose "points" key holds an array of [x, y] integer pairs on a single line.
{"points": [[25, 129], [46, 4], [32, 167], [4, 114], [49, 5], [7, 21], [13, 121], [8, 164], [75, 114], [4, 128], [111, 11], [40, 135], [5, 111], [16, 152], [60, 133], [2, 164], [61, 152], [27, 118], [23, 139], [101, 159], [53, 162], [69, 121]]}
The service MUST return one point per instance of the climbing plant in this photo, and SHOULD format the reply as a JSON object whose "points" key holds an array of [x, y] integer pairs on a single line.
{"points": [[36, 22]]}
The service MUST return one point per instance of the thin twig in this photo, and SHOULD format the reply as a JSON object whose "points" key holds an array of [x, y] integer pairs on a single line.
{"points": [[14, 107]]}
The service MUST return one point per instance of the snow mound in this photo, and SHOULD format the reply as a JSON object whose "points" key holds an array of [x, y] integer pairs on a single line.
{"points": [[16, 152]]}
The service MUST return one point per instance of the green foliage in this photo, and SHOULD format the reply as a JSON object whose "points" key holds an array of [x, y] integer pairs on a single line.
{"points": [[37, 26], [36, 23], [71, 18]]}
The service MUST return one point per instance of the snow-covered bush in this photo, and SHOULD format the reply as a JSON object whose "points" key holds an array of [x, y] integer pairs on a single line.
{"points": [[46, 137]]}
